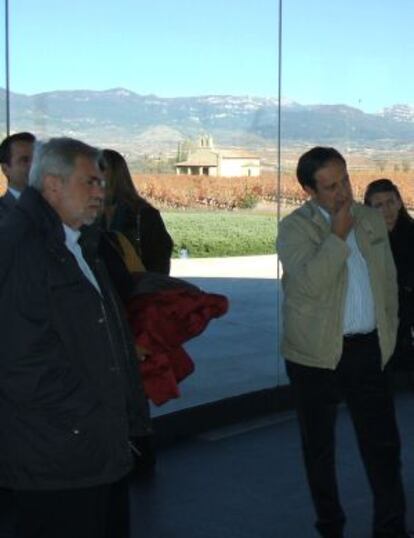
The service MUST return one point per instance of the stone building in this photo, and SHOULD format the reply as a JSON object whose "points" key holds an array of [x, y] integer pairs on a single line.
{"points": [[205, 160]]}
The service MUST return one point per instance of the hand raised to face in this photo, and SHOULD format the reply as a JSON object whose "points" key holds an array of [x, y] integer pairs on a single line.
{"points": [[342, 220]]}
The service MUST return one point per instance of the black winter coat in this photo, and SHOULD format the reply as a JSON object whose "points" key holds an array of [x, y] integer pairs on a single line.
{"points": [[70, 395], [7, 202], [402, 246]]}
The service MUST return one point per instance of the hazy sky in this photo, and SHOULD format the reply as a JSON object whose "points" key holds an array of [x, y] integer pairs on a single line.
{"points": [[334, 51]]}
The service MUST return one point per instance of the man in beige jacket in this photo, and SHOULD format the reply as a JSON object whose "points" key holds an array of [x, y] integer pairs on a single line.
{"points": [[340, 323]]}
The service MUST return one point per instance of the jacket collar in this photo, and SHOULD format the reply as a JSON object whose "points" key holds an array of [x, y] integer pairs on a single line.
{"points": [[42, 214], [90, 237], [45, 218], [360, 217], [359, 212], [8, 200], [311, 210]]}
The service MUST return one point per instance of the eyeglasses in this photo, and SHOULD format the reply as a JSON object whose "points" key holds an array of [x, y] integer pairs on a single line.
{"points": [[96, 182]]}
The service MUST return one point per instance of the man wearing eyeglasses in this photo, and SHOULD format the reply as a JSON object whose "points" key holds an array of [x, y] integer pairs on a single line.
{"points": [[70, 393]]}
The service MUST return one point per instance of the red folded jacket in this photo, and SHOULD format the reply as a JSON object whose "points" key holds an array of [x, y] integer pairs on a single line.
{"points": [[161, 322]]}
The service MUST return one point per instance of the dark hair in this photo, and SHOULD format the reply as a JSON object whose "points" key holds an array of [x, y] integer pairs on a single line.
{"points": [[6, 145], [119, 180], [313, 160], [385, 185]]}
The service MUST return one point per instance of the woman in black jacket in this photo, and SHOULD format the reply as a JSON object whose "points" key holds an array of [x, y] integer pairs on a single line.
{"points": [[132, 217], [384, 195], [130, 214]]}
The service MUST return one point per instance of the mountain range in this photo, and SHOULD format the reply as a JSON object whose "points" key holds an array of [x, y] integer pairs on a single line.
{"points": [[147, 124]]}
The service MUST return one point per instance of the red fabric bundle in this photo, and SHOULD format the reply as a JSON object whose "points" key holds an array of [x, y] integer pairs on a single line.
{"points": [[161, 322]]}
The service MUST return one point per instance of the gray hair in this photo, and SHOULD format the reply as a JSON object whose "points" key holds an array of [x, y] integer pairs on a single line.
{"points": [[57, 157]]}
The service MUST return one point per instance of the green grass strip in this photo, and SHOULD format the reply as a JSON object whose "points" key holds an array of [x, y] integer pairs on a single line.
{"points": [[221, 233]]}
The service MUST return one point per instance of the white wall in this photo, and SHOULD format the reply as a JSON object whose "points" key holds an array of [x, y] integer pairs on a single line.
{"points": [[239, 167]]}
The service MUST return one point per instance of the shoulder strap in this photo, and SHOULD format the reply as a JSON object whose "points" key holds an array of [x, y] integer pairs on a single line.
{"points": [[131, 258]]}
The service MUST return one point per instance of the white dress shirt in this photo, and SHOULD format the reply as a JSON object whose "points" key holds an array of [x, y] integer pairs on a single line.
{"points": [[359, 314], [14, 192], [71, 242]]}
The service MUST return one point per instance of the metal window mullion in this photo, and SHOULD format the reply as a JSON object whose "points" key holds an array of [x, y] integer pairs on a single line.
{"points": [[7, 73]]}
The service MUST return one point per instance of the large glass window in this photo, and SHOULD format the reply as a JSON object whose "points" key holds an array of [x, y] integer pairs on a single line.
{"points": [[187, 92], [346, 84], [3, 82]]}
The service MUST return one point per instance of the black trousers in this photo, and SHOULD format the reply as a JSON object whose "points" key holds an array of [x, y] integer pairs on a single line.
{"points": [[365, 387], [7, 514], [96, 512]]}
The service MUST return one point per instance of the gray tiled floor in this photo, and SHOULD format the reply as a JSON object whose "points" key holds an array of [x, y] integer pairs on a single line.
{"points": [[247, 481]]}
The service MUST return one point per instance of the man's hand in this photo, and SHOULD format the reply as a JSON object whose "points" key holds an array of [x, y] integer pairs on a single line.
{"points": [[342, 220]]}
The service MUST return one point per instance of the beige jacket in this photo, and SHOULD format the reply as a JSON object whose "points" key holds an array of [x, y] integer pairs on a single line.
{"points": [[314, 284]]}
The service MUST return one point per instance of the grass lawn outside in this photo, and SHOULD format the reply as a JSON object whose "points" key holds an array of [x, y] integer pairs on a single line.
{"points": [[206, 234]]}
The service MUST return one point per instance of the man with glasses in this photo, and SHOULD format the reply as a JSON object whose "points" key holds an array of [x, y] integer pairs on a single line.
{"points": [[70, 393]]}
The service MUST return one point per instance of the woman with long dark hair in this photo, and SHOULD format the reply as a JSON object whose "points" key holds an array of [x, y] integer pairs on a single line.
{"points": [[130, 214], [384, 195]]}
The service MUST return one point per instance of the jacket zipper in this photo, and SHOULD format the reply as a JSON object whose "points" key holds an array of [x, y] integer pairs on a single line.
{"points": [[115, 363], [115, 309]]}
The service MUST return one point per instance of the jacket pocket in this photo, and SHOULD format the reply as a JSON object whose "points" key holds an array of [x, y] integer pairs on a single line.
{"points": [[53, 448], [304, 328]]}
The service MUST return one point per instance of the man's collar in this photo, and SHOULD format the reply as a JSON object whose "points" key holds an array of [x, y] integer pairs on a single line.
{"points": [[71, 235], [14, 192], [325, 214]]}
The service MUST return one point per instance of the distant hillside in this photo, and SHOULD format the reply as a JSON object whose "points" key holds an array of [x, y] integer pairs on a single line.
{"points": [[147, 124]]}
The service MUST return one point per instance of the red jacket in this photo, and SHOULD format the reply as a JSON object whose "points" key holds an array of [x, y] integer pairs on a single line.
{"points": [[161, 322]]}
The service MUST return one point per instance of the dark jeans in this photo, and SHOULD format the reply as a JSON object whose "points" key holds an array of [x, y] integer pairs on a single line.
{"points": [[96, 512], [365, 387]]}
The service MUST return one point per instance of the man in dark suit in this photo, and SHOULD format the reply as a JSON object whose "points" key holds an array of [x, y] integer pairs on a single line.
{"points": [[16, 152]]}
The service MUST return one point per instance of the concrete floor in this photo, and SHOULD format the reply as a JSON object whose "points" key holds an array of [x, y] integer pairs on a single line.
{"points": [[247, 481]]}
